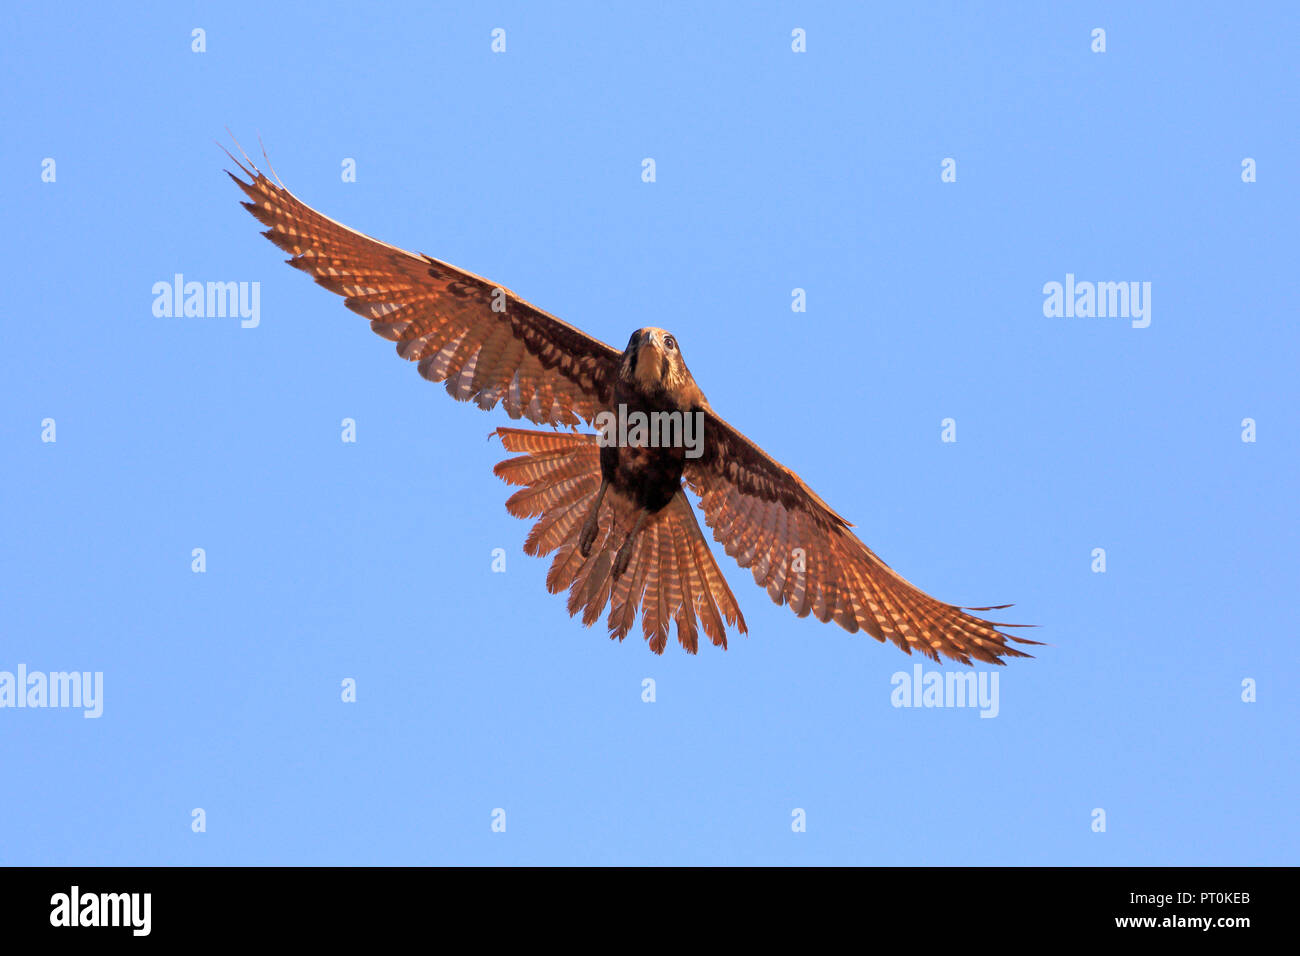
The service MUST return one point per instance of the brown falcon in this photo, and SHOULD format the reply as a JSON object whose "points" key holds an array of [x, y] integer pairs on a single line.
{"points": [[613, 508]]}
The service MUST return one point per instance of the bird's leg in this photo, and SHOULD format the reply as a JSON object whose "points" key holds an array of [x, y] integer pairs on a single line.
{"points": [[625, 552], [592, 524]]}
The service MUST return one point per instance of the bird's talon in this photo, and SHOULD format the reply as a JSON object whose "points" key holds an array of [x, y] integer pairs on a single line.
{"points": [[622, 559], [588, 537]]}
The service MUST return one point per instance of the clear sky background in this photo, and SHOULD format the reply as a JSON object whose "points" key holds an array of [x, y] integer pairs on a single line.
{"points": [[775, 170]]}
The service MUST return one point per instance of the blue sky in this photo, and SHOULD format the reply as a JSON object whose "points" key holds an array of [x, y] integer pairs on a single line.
{"points": [[775, 170]]}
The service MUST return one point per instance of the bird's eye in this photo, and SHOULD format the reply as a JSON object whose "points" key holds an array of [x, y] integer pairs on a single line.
{"points": [[670, 343], [631, 343]]}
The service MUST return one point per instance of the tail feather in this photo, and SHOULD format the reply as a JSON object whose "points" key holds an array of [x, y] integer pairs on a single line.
{"points": [[671, 578], [653, 624], [557, 526], [628, 594]]}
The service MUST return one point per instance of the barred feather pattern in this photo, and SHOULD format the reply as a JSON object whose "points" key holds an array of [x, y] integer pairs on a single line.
{"points": [[488, 345], [672, 578], [491, 347], [805, 556]]}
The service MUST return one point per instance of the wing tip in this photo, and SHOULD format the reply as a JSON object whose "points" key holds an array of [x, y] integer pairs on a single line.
{"points": [[250, 170]]}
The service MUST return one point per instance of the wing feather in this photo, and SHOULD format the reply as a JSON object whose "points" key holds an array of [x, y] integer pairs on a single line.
{"points": [[805, 555], [484, 342]]}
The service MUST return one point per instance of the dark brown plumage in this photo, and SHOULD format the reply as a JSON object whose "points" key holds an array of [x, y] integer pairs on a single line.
{"points": [[616, 517]]}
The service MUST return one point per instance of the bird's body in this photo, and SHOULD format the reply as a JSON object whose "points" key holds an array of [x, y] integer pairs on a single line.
{"points": [[652, 382], [612, 507]]}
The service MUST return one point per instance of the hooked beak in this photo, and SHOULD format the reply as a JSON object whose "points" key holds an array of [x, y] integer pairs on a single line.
{"points": [[651, 362], [649, 344]]}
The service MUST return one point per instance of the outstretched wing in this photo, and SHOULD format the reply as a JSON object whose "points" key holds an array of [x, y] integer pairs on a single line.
{"points": [[486, 343], [804, 554]]}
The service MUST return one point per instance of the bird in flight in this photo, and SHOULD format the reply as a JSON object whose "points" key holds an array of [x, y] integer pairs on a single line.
{"points": [[612, 506]]}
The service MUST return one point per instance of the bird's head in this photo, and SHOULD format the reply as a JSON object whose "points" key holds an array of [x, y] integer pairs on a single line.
{"points": [[653, 362]]}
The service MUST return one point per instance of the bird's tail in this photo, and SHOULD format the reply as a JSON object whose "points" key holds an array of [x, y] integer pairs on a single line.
{"points": [[671, 576]]}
